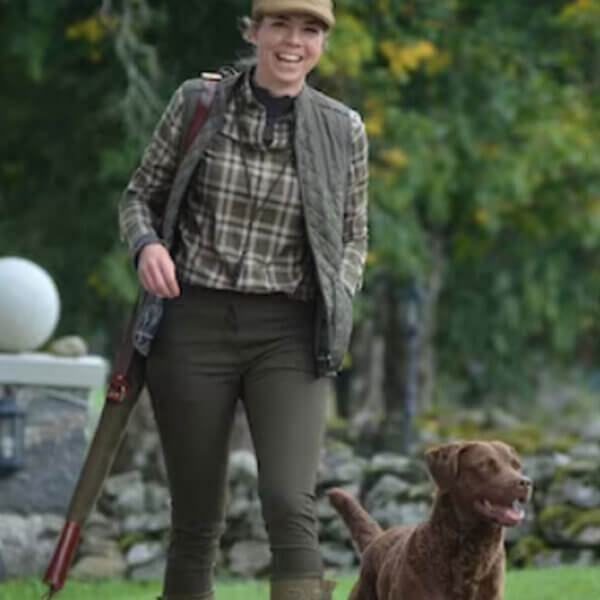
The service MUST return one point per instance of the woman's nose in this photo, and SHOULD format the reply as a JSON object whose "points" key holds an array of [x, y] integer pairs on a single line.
{"points": [[293, 35]]}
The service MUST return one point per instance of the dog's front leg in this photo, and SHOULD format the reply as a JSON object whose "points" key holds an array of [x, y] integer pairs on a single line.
{"points": [[362, 590], [492, 587]]}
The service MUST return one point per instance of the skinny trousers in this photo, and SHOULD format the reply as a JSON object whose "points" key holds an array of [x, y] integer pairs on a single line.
{"points": [[213, 349]]}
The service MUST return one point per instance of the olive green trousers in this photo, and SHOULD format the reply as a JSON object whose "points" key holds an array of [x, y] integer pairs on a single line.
{"points": [[214, 349]]}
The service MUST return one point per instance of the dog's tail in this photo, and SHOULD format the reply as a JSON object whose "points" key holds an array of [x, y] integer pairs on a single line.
{"points": [[363, 528]]}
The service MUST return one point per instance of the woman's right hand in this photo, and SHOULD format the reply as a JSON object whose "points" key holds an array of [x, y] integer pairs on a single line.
{"points": [[156, 271]]}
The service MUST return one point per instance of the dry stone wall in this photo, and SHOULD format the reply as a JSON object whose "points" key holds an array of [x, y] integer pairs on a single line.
{"points": [[127, 534]]}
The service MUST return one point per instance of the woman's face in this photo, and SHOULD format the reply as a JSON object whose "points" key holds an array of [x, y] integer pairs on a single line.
{"points": [[288, 46]]}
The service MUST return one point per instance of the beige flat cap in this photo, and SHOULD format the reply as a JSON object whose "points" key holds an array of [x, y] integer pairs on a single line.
{"points": [[321, 9]]}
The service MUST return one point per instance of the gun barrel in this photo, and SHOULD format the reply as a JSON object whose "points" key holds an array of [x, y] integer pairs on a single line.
{"points": [[98, 462], [62, 557]]}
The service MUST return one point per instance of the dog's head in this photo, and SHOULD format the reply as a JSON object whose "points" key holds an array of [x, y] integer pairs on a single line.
{"points": [[484, 478]]}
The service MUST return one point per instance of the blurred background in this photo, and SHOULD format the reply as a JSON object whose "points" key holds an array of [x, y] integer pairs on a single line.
{"points": [[480, 311], [483, 275]]}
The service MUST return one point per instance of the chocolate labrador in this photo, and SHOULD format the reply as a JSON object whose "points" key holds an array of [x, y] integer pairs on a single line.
{"points": [[458, 554]]}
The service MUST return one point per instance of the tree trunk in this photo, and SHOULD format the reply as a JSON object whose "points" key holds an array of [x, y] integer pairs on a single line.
{"points": [[427, 365], [410, 322], [365, 422]]}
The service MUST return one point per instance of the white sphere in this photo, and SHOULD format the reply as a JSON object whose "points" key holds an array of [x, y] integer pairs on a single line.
{"points": [[29, 305]]}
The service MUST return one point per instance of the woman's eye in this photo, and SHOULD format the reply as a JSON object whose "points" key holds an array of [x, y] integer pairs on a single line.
{"points": [[311, 30]]}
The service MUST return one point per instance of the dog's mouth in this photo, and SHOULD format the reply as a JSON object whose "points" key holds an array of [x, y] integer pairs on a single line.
{"points": [[505, 515]]}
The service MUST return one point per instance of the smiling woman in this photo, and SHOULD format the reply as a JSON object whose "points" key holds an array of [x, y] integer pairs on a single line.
{"points": [[287, 47], [249, 255]]}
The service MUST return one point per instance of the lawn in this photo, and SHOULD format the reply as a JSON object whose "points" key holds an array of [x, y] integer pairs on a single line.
{"points": [[564, 583]]}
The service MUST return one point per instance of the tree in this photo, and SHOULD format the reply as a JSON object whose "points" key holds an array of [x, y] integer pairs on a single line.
{"points": [[482, 127], [482, 119], [83, 85]]}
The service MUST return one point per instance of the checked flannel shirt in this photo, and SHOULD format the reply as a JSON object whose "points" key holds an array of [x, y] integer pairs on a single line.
{"points": [[244, 229]]}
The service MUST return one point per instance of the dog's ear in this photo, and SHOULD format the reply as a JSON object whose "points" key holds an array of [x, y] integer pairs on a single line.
{"points": [[443, 463]]}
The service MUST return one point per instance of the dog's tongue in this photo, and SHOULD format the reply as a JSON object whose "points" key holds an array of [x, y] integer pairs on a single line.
{"points": [[508, 516]]}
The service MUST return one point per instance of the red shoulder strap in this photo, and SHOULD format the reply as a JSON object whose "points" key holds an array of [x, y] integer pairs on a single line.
{"points": [[118, 385], [198, 120]]}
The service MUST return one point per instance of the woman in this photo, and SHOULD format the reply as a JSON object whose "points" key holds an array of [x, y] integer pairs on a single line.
{"points": [[249, 246]]}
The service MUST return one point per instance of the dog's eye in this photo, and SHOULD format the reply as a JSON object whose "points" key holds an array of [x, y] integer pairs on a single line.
{"points": [[515, 464], [489, 465]]}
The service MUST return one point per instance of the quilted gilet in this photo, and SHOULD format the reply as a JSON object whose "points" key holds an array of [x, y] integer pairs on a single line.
{"points": [[322, 143]]}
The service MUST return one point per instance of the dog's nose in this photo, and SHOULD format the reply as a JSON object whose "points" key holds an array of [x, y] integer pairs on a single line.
{"points": [[525, 482]]}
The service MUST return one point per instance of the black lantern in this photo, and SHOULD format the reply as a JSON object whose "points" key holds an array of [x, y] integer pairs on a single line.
{"points": [[12, 433]]}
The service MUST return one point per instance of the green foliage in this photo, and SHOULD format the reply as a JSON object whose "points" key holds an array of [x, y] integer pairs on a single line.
{"points": [[526, 549], [527, 438], [568, 519], [55, 208], [483, 121], [79, 97]]}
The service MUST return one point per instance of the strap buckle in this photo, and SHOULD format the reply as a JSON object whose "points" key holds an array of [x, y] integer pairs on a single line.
{"points": [[117, 388]]}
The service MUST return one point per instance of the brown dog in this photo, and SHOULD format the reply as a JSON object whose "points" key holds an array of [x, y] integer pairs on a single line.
{"points": [[458, 554]]}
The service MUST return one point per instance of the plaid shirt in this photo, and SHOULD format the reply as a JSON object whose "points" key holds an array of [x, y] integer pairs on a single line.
{"points": [[241, 226]]}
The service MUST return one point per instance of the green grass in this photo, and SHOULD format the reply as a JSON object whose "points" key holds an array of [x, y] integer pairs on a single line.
{"points": [[564, 583]]}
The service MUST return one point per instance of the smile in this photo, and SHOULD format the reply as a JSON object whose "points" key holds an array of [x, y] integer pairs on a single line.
{"points": [[289, 58]]}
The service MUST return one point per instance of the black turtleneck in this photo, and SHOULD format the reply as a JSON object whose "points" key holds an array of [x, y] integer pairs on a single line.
{"points": [[276, 106]]}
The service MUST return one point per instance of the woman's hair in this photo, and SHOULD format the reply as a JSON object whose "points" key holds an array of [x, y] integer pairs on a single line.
{"points": [[245, 25]]}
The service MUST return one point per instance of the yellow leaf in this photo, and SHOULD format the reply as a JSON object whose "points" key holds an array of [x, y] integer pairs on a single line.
{"points": [[383, 6], [93, 29], [394, 157], [350, 45], [593, 205], [580, 8], [481, 216], [405, 58], [374, 118], [372, 258], [374, 125]]}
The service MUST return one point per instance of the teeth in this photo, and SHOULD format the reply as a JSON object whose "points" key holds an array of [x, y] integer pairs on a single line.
{"points": [[518, 508], [289, 57]]}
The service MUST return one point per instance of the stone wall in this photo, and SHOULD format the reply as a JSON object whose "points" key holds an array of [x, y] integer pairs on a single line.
{"points": [[55, 445], [33, 500], [127, 533]]}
